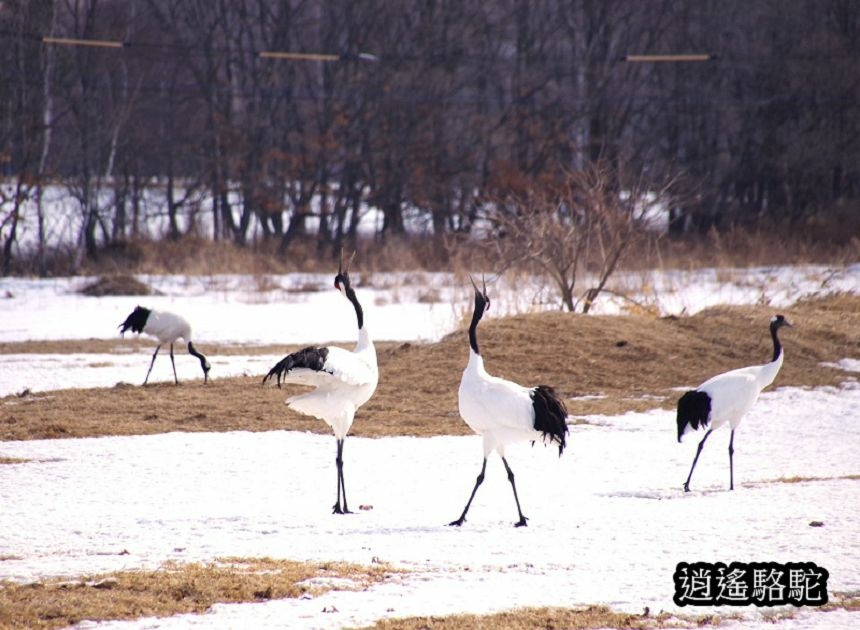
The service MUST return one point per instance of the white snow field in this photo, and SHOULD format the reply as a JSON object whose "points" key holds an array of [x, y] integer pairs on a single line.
{"points": [[609, 520], [46, 372], [305, 308]]}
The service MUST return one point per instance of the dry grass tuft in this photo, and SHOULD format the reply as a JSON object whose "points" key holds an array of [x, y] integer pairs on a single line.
{"points": [[547, 618], [117, 285], [197, 255], [848, 601], [172, 589], [13, 460], [831, 241], [632, 363], [798, 479], [764, 245]]}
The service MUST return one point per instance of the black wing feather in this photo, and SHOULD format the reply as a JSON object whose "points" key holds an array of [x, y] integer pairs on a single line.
{"points": [[550, 415], [694, 409], [136, 321], [312, 358]]}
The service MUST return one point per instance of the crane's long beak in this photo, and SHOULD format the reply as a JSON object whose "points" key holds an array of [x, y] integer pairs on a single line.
{"points": [[477, 290], [340, 268]]}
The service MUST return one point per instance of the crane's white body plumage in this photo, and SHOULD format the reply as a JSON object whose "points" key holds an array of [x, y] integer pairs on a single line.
{"points": [[734, 393], [346, 381], [168, 328], [499, 410], [343, 380], [726, 398], [503, 412]]}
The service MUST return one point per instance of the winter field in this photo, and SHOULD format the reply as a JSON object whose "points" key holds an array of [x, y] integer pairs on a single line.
{"points": [[608, 520]]}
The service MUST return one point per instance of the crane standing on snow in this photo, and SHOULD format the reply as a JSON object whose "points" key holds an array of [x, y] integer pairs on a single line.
{"points": [[344, 380], [167, 328], [502, 411], [726, 398]]}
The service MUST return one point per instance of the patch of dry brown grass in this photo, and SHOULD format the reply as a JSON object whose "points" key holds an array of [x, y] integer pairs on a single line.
{"points": [[172, 589], [13, 460], [798, 479], [195, 255], [831, 241], [125, 345], [633, 362], [118, 284], [847, 601], [549, 619], [755, 246]]}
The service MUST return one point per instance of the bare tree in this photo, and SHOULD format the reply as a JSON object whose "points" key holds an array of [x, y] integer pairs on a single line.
{"points": [[581, 220], [24, 122]]}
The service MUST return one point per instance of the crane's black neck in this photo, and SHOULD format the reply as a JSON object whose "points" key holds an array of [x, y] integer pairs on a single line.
{"points": [[350, 294], [193, 351], [473, 327], [204, 363], [777, 346]]}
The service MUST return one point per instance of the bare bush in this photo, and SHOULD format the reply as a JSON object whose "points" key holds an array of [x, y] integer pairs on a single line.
{"points": [[117, 285], [580, 221]]}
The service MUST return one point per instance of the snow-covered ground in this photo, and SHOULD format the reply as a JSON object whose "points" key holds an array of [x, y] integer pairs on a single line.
{"points": [[304, 308], [47, 372], [609, 520]]}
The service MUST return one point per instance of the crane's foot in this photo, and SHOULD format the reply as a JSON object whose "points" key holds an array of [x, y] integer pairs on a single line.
{"points": [[521, 522], [686, 487], [336, 509], [458, 522]]}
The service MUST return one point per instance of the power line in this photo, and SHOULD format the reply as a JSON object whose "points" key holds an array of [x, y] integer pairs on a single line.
{"points": [[672, 58], [440, 58], [71, 41], [117, 44]]}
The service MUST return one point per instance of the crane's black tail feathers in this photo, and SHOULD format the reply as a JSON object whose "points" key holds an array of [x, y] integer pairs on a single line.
{"points": [[694, 410], [136, 321], [311, 358], [550, 415]]}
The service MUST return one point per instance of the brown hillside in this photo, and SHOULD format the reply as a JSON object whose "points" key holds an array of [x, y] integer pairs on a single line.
{"points": [[634, 362]]}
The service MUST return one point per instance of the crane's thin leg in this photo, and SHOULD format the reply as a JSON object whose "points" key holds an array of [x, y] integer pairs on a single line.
{"points": [[336, 509], [695, 459], [731, 461], [151, 363], [340, 483], [173, 363], [523, 519], [478, 482]]}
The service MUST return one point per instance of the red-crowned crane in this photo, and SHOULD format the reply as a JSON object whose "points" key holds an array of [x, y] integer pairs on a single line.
{"points": [[726, 398], [503, 412], [344, 380], [166, 328]]}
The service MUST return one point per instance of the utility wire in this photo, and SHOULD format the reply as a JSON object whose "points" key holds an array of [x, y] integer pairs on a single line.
{"points": [[117, 44], [441, 58]]}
